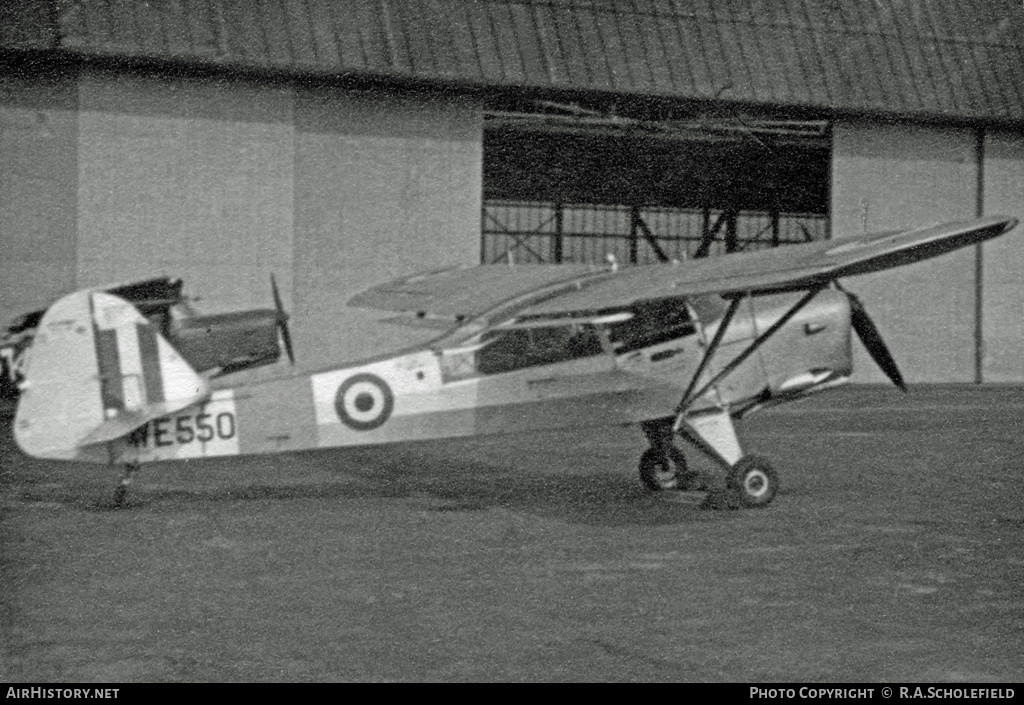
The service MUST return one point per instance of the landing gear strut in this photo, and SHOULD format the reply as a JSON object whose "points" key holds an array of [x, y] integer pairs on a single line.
{"points": [[750, 480], [708, 425]]}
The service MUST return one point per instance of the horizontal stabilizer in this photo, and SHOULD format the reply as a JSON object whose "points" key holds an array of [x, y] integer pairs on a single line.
{"points": [[99, 370]]}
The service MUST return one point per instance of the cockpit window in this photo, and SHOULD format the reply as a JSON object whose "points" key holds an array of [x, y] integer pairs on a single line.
{"points": [[653, 322], [517, 348]]}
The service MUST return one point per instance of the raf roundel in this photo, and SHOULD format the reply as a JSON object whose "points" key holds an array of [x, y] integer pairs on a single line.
{"points": [[364, 402]]}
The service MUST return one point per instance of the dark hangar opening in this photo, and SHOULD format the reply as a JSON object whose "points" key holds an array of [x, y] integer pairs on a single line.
{"points": [[571, 184]]}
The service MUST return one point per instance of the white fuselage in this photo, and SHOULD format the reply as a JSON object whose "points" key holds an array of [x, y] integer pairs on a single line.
{"points": [[519, 379]]}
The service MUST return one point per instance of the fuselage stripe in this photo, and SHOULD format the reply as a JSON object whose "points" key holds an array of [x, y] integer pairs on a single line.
{"points": [[109, 362], [151, 374]]}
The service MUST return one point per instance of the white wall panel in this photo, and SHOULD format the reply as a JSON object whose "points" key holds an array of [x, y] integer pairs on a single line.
{"points": [[38, 141], [900, 176], [385, 186], [1003, 264], [224, 182], [185, 177]]}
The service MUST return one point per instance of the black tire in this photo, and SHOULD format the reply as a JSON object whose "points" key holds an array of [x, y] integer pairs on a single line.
{"points": [[753, 482], [661, 472]]}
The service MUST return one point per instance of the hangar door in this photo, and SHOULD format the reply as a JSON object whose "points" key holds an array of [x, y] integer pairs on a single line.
{"points": [[567, 184]]}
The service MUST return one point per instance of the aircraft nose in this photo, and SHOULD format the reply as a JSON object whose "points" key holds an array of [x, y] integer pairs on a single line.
{"points": [[829, 309], [814, 348], [826, 328]]}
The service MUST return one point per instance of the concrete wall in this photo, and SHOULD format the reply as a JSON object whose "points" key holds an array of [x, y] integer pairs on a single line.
{"points": [[385, 186], [38, 182], [187, 178], [899, 176], [1003, 263], [113, 177]]}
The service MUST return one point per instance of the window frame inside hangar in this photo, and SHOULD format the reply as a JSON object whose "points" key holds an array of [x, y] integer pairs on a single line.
{"points": [[585, 181]]}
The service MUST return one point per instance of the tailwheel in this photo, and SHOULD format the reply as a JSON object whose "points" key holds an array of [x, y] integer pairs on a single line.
{"points": [[753, 482], [664, 469], [121, 492]]}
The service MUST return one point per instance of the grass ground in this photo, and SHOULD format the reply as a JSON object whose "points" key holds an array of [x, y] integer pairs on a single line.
{"points": [[893, 552]]}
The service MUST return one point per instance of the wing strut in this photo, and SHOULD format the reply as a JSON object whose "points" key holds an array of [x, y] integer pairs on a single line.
{"points": [[690, 395], [750, 480], [734, 304]]}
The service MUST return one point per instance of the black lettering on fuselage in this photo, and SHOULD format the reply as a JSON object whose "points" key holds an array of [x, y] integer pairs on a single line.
{"points": [[225, 425], [185, 429], [206, 431], [160, 432], [185, 432]]}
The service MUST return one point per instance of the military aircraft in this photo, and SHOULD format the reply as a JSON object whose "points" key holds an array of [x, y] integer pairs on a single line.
{"points": [[224, 342], [681, 349]]}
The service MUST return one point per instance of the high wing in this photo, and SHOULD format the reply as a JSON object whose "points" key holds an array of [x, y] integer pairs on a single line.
{"points": [[489, 292], [451, 297]]}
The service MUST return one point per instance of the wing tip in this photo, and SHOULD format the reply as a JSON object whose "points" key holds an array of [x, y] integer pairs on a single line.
{"points": [[1009, 222], [990, 226]]}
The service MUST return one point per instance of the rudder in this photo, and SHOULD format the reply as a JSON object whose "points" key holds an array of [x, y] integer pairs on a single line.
{"points": [[98, 370]]}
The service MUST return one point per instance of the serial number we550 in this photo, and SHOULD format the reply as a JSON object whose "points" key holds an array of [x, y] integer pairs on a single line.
{"points": [[182, 430]]}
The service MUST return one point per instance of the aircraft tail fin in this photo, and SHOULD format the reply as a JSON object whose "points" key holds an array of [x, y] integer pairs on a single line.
{"points": [[98, 370]]}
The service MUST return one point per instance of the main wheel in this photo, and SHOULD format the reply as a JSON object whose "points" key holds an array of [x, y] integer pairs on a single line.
{"points": [[661, 471], [753, 482]]}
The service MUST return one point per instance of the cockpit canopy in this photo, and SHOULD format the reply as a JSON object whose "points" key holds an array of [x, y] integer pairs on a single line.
{"points": [[533, 341]]}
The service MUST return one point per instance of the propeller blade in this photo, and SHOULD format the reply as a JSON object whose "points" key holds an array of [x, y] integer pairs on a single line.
{"points": [[287, 337], [868, 333], [277, 295], [282, 320]]}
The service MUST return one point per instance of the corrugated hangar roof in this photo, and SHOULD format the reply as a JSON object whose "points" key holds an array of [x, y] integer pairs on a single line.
{"points": [[930, 58]]}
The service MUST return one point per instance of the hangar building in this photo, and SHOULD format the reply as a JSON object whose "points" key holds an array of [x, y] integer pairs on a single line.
{"points": [[339, 144]]}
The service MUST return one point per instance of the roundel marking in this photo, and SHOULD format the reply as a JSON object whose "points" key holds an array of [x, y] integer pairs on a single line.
{"points": [[364, 402]]}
